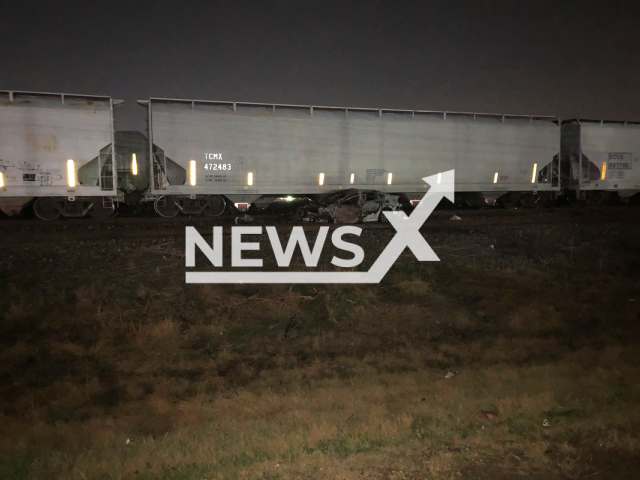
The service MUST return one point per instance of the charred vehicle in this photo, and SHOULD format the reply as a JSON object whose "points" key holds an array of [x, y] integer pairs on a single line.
{"points": [[284, 206], [353, 206]]}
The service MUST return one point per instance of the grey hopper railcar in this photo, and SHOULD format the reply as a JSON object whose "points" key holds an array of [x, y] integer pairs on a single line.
{"points": [[244, 150], [46, 142], [610, 153]]}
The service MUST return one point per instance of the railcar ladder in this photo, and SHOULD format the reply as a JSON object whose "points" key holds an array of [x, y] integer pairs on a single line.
{"points": [[106, 171], [158, 171]]}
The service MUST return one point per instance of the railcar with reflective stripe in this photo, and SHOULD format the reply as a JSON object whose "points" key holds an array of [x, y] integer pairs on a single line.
{"points": [[610, 153], [56, 150], [203, 149]]}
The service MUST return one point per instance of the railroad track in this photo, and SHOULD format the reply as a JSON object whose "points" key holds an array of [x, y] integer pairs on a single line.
{"points": [[33, 231]]}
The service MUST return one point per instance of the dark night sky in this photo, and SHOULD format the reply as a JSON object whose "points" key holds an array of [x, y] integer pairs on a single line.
{"points": [[570, 58]]}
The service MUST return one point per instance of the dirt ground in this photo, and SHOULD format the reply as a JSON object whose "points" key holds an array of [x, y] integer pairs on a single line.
{"points": [[515, 356]]}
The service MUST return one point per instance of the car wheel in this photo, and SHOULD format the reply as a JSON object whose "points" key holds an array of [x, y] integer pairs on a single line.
{"points": [[382, 218]]}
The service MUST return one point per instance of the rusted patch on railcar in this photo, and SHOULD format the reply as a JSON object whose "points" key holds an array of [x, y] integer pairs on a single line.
{"points": [[48, 143]]}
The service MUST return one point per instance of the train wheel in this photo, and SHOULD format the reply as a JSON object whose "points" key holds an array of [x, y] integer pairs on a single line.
{"points": [[576, 202], [215, 206], [100, 210], [597, 198], [47, 208], [510, 200], [166, 206], [543, 200]]}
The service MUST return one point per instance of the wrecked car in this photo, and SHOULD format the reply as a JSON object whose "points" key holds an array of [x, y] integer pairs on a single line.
{"points": [[353, 206], [285, 206]]}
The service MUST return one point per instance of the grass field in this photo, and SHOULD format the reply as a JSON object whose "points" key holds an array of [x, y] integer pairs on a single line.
{"points": [[112, 368]]}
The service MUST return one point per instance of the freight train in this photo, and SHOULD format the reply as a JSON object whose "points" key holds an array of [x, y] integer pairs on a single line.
{"points": [[60, 155]]}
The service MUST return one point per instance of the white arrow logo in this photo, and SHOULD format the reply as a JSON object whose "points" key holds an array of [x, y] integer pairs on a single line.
{"points": [[407, 235]]}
